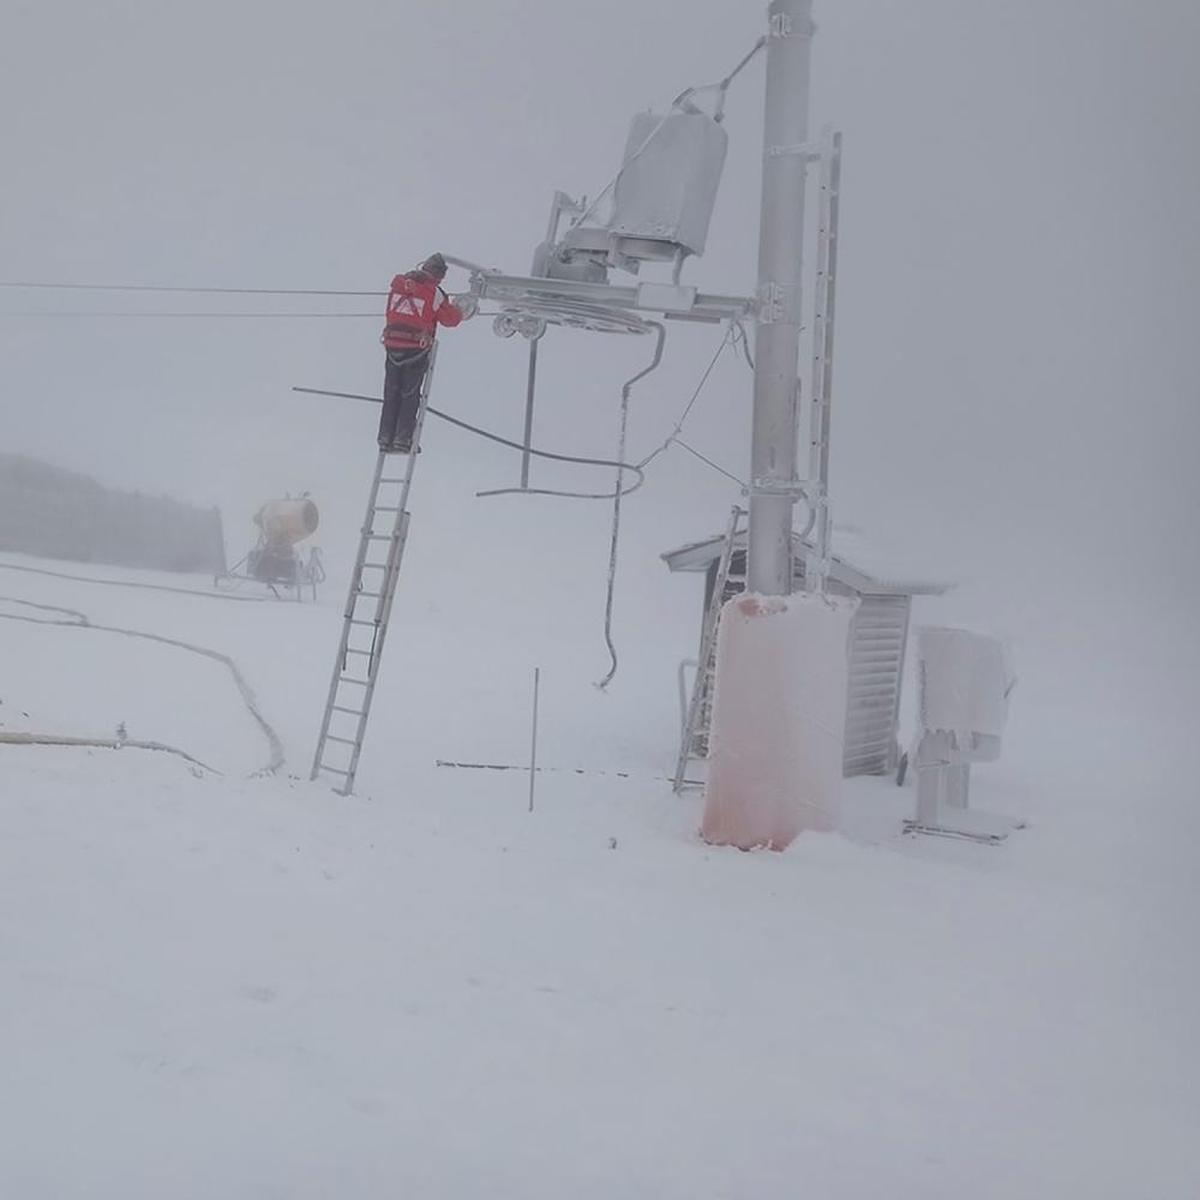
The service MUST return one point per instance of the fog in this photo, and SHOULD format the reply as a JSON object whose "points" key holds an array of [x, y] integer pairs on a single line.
{"points": [[1014, 389], [431, 981]]}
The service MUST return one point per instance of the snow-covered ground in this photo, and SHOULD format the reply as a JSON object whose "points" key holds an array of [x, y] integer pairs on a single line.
{"points": [[240, 984]]}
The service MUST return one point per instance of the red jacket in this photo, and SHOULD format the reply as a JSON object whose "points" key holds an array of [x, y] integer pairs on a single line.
{"points": [[416, 307]]}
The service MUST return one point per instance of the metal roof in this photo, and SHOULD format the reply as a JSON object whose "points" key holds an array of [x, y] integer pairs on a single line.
{"points": [[696, 556]]}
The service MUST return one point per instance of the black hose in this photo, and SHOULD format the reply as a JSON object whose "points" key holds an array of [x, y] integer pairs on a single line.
{"points": [[495, 437]]}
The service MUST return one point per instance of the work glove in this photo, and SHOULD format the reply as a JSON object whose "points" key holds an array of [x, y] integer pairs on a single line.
{"points": [[466, 304]]}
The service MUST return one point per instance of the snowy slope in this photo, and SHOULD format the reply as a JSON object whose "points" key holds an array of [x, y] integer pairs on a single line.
{"points": [[244, 985]]}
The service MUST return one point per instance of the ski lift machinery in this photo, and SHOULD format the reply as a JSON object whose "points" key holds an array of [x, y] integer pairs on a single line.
{"points": [[656, 210]]}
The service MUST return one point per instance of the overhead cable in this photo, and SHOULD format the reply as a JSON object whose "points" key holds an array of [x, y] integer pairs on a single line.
{"points": [[692, 450], [157, 287], [254, 316], [495, 437], [688, 407]]}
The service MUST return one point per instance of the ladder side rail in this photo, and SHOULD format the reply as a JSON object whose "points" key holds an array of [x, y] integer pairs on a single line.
{"points": [[820, 313], [347, 615], [834, 203], [391, 573], [822, 364], [716, 606], [376, 656], [705, 679], [707, 652], [704, 668]]}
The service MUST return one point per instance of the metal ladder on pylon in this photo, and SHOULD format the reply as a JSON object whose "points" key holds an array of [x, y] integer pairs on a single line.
{"points": [[824, 306], [368, 608], [693, 742]]}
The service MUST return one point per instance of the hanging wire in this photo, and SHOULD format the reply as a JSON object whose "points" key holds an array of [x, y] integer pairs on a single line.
{"points": [[742, 340], [32, 285], [673, 437], [156, 287], [688, 407], [270, 316], [692, 450], [626, 392], [495, 437]]}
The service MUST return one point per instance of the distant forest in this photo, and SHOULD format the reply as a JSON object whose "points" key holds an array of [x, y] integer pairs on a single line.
{"points": [[53, 513]]}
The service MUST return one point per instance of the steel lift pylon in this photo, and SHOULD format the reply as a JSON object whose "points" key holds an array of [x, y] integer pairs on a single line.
{"points": [[368, 609]]}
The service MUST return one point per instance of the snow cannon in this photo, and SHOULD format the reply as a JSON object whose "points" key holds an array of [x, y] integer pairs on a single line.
{"points": [[274, 559], [287, 522]]}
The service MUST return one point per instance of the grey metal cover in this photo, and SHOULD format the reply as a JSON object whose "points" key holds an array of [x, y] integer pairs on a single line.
{"points": [[877, 642], [667, 191]]}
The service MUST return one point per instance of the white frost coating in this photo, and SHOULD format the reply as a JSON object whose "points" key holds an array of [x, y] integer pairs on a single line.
{"points": [[778, 723], [965, 682]]}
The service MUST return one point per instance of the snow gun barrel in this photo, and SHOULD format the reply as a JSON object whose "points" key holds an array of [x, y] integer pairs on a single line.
{"points": [[288, 521]]}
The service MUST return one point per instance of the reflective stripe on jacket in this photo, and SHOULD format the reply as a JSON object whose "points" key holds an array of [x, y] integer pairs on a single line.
{"points": [[416, 307]]}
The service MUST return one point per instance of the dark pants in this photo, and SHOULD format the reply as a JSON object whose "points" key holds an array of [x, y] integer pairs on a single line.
{"points": [[402, 379]]}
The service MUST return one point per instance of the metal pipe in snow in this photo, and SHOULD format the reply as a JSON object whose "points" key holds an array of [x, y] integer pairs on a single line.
{"points": [[777, 342]]}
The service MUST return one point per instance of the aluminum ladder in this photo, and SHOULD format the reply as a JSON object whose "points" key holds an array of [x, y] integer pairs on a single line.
{"points": [[368, 608], [824, 305], [693, 742]]}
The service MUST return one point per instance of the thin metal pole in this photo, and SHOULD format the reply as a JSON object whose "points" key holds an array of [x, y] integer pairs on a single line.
{"points": [[530, 387], [537, 673], [777, 341]]}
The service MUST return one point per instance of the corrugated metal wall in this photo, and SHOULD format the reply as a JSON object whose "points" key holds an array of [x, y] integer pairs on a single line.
{"points": [[877, 641], [53, 513]]}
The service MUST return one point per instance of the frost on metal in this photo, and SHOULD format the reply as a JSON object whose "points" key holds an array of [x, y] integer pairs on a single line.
{"points": [[668, 186], [965, 683], [778, 719]]}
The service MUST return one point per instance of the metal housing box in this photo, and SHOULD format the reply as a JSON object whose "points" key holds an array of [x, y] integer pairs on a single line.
{"points": [[667, 192]]}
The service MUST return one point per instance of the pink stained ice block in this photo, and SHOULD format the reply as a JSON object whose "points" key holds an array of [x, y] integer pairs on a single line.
{"points": [[778, 722]]}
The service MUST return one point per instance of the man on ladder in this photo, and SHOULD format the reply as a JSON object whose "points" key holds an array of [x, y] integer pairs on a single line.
{"points": [[416, 307]]}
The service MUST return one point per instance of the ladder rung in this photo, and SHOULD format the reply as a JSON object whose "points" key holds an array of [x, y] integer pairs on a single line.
{"points": [[357, 621], [362, 653], [360, 682], [379, 537], [330, 737], [354, 712], [372, 595], [391, 480], [386, 508], [333, 770]]}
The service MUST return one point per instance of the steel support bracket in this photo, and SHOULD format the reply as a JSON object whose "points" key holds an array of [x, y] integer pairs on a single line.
{"points": [[781, 25], [791, 489], [806, 150], [777, 303]]}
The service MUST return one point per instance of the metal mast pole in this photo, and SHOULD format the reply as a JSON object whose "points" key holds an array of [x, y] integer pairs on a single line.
{"points": [[777, 342]]}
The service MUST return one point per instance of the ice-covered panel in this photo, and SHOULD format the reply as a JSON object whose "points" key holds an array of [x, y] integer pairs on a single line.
{"points": [[965, 680], [668, 187], [778, 720]]}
